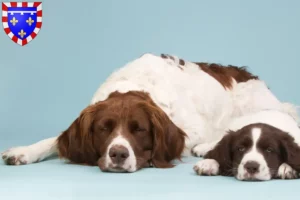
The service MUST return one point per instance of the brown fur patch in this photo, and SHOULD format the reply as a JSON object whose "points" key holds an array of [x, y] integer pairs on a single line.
{"points": [[225, 74]]}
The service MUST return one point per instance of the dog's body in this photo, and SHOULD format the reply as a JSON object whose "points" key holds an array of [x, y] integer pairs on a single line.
{"points": [[198, 98]]}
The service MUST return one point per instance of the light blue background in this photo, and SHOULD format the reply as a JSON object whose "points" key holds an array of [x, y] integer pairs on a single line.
{"points": [[45, 84]]}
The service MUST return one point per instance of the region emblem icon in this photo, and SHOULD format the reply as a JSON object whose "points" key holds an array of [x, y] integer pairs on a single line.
{"points": [[22, 21]]}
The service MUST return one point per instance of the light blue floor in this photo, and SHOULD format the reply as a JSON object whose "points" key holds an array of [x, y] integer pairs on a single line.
{"points": [[45, 84], [53, 179]]}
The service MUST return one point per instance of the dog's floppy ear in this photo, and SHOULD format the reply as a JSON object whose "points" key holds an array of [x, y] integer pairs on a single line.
{"points": [[291, 151], [168, 139], [76, 143], [222, 153]]}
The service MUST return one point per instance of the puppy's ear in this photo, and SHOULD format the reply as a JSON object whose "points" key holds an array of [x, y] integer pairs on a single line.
{"points": [[291, 151], [76, 143], [222, 153]]}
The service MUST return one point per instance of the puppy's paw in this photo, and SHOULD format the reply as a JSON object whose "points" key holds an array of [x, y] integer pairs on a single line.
{"points": [[208, 167], [287, 172], [201, 149]]}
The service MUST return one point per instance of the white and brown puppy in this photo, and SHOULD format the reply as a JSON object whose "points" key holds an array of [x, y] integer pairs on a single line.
{"points": [[259, 146]]}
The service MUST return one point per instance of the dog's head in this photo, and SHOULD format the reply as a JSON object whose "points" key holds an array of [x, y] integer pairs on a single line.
{"points": [[124, 133], [255, 152]]}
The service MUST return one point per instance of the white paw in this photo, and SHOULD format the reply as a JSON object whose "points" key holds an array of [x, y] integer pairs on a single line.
{"points": [[207, 167], [19, 156], [201, 149], [287, 172]]}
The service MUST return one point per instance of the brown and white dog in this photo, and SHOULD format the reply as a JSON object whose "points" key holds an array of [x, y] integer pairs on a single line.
{"points": [[153, 110]]}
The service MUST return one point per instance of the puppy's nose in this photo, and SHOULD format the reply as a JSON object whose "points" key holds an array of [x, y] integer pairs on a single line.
{"points": [[118, 154], [252, 167]]}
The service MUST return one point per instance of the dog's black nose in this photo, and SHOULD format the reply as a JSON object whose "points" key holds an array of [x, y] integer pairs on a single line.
{"points": [[252, 167], [118, 154]]}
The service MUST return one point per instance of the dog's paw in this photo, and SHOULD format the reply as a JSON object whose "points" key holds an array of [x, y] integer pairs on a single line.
{"points": [[18, 156], [208, 167], [201, 149], [287, 172]]}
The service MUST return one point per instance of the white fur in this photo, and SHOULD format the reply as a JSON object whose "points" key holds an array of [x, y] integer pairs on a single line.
{"points": [[207, 167], [286, 172], [278, 119], [32, 153], [202, 149], [254, 155], [195, 101], [130, 163]]}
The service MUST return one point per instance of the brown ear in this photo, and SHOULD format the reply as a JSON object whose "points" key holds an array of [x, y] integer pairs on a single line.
{"points": [[76, 144], [168, 139], [222, 153], [291, 152]]}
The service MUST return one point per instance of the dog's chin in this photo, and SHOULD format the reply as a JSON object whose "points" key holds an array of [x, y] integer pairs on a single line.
{"points": [[249, 177], [117, 170]]}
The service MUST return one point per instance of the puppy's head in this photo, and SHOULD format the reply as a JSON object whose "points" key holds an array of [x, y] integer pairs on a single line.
{"points": [[255, 152]]}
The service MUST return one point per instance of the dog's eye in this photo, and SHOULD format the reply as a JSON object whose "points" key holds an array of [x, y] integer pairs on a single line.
{"points": [[106, 126], [139, 130], [135, 127], [103, 129], [100, 130], [241, 149], [269, 150]]}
